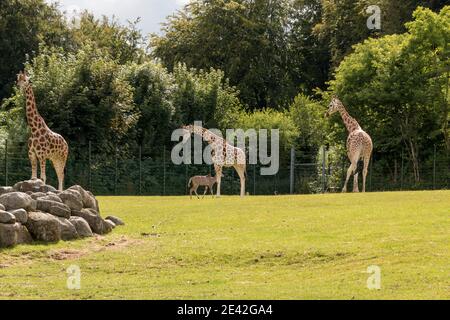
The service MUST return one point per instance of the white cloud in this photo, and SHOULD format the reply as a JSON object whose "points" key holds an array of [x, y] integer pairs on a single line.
{"points": [[151, 12]]}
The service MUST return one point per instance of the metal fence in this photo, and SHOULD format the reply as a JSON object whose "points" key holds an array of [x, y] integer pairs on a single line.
{"points": [[137, 173]]}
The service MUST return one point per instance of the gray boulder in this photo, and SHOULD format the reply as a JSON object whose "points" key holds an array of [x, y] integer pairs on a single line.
{"points": [[87, 197], [68, 230], [55, 208], [44, 227], [4, 190], [82, 227], [110, 224], [47, 188], [21, 215], [28, 185], [2, 207], [117, 221], [7, 218], [72, 198], [51, 197], [17, 200], [38, 195], [12, 234], [93, 219]]}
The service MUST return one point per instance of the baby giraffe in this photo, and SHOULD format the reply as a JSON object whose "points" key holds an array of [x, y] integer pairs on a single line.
{"points": [[44, 143], [202, 181]]}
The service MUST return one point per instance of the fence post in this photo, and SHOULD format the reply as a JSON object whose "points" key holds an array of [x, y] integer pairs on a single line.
{"points": [[370, 174], [140, 170], [434, 168], [401, 173], [254, 179], [6, 162], [116, 173], [164, 171], [90, 165], [324, 150], [292, 170]]}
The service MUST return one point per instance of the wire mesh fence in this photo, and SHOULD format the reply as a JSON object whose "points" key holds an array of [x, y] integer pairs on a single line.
{"points": [[138, 173]]}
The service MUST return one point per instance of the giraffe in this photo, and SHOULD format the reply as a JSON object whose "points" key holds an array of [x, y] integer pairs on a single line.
{"points": [[43, 143], [359, 143], [223, 154]]}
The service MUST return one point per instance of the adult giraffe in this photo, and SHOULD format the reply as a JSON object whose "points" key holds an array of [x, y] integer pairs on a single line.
{"points": [[223, 154], [43, 143], [359, 143]]}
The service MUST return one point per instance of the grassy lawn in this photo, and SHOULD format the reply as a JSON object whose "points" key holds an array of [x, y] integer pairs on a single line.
{"points": [[284, 247]]}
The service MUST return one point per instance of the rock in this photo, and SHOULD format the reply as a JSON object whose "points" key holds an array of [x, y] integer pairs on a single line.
{"points": [[72, 198], [7, 218], [38, 195], [55, 208], [12, 234], [17, 200], [4, 190], [2, 207], [68, 230], [87, 197], [110, 223], [44, 227], [51, 197], [21, 215], [29, 185], [93, 219], [117, 221], [47, 188], [82, 227]]}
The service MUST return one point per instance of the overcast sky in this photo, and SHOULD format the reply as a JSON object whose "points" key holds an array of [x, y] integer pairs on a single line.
{"points": [[151, 12]]}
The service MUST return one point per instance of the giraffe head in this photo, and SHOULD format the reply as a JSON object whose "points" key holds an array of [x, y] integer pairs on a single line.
{"points": [[187, 131], [334, 106], [23, 80]]}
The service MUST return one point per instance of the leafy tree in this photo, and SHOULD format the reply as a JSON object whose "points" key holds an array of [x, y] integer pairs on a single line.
{"points": [[24, 24], [153, 94], [246, 39], [396, 86], [80, 96], [308, 116], [204, 96]]}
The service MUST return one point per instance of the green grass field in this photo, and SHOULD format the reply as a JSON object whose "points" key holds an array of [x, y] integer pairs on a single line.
{"points": [[284, 247]]}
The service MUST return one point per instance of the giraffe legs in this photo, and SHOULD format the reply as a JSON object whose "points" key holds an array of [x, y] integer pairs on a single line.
{"points": [[42, 162], [355, 183], [59, 168], [33, 160], [351, 170], [241, 172], [218, 170], [365, 170]]}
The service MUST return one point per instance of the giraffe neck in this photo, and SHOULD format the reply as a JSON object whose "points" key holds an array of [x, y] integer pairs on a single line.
{"points": [[207, 135], [34, 119], [350, 123]]}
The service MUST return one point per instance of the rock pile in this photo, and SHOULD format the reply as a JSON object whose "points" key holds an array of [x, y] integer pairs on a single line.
{"points": [[32, 211]]}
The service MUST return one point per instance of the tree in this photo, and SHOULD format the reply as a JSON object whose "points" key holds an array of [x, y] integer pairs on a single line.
{"points": [[24, 25], [246, 39], [396, 86]]}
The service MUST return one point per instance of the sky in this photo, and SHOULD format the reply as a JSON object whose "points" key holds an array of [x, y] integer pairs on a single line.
{"points": [[151, 12]]}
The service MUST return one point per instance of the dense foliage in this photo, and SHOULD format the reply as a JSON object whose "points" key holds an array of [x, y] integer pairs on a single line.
{"points": [[235, 63]]}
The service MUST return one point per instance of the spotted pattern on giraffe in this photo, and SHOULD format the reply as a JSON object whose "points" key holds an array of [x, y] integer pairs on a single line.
{"points": [[359, 143], [43, 143], [223, 155]]}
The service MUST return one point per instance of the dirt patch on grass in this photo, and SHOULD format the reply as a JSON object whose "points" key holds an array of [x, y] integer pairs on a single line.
{"points": [[96, 244]]}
